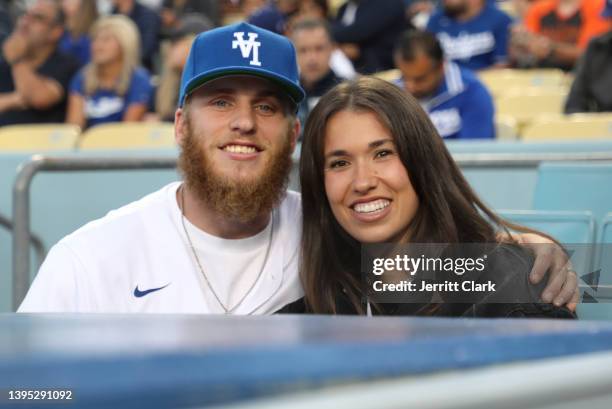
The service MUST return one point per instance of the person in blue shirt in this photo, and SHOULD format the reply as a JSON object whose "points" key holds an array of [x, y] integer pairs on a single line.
{"points": [[458, 104], [473, 33], [80, 17], [112, 87], [274, 15]]}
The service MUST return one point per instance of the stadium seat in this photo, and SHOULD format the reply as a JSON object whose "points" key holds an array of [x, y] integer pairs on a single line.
{"points": [[575, 186], [518, 194], [38, 138], [524, 78], [130, 135], [603, 259], [579, 186], [506, 128], [389, 75], [529, 105], [576, 230], [576, 127], [572, 227], [602, 273]]}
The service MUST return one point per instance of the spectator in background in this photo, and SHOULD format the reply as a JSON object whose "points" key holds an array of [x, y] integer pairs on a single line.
{"points": [[313, 9], [80, 16], [520, 7], [473, 33], [314, 47], [173, 10], [555, 32], [166, 97], [112, 87], [6, 24], [148, 24], [458, 104], [418, 12], [34, 75], [319, 10], [248, 7], [366, 31], [592, 87], [274, 15]]}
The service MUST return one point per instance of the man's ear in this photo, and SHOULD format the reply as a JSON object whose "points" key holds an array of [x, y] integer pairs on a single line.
{"points": [[180, 123]]}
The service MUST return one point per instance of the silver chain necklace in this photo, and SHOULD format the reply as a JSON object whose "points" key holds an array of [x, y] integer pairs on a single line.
{"points": [[199, 264]]}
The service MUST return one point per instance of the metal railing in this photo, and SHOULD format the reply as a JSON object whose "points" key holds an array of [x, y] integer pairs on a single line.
{"points": [[37, 243], [21, 200], [39, 163], [525, 160]]}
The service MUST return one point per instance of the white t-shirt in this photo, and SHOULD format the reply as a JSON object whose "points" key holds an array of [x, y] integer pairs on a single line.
{"points": [[138, 259]]}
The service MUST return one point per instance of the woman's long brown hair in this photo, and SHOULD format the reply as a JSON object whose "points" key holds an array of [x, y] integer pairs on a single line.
{"points": [[449, 210]]}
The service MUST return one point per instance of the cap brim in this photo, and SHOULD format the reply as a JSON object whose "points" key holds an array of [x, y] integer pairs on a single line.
{"points": [[295, 93]]}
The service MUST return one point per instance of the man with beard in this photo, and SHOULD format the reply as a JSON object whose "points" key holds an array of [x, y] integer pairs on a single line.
{"points": [[458, 104], [226, 240], [473, 33]]}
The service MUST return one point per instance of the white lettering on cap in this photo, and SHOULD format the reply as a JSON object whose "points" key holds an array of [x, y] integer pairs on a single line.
{"points": [[247, 46]]}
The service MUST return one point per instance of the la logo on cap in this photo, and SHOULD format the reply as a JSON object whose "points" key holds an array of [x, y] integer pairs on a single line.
{"points": [[247, 46]]}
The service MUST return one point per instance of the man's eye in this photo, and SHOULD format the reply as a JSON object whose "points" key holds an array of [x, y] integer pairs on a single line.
{"points": [[221, 103], [266, 108]]}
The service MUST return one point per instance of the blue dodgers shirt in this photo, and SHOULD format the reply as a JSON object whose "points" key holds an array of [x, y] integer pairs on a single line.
{"points": [[461, 108], [106, 105], [79, 48], [477, 43]]}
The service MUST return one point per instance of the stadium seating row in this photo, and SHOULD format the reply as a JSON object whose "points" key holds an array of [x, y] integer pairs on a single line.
{"points": [[58, 137], [526, 117]]}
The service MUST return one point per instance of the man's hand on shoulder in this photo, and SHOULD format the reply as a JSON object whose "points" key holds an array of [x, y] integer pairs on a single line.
{"points": [[562, 286]]}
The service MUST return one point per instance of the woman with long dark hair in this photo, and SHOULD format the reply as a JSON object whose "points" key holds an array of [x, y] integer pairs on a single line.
{"points": [[374, 170]]}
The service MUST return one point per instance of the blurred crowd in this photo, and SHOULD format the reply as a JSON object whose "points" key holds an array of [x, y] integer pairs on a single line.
{"points": [[88, 62]]}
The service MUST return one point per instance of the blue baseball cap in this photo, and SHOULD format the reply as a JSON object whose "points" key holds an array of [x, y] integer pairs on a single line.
{"points": [[607, 11], [241, 49]]}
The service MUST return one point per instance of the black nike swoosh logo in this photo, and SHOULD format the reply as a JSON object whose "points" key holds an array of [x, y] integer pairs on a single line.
{"points": [[138, 293]]}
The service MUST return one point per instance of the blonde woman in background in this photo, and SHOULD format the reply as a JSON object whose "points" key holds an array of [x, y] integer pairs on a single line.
{"points": [[112, 87], [80, 17]]}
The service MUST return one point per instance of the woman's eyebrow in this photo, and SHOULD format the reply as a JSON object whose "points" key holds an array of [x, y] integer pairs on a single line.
{"points": [[338, 152], [379, 143], [371, 145]]}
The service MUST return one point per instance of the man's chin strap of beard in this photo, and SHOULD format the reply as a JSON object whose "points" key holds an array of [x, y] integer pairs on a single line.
{"points": [[239, 200]]}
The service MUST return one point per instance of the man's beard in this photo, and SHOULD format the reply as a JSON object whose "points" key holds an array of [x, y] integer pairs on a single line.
{"points": [[244, 199]]}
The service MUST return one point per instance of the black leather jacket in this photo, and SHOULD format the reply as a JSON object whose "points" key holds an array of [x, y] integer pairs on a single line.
{"points": [[515, 296]]}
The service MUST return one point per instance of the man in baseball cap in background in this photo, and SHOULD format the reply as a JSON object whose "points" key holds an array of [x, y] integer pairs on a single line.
{"points": [[225, 240]]}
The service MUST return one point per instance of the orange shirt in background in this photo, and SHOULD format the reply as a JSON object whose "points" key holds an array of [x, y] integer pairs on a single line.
{"points": [[542, 18]]}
